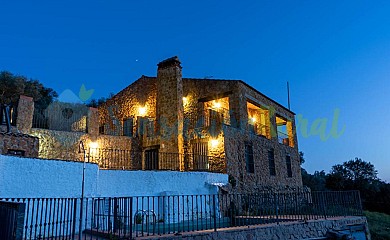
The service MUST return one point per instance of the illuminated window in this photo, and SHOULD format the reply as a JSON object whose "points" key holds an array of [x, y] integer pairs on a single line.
{"points": [[284, 131], [258, 120]]}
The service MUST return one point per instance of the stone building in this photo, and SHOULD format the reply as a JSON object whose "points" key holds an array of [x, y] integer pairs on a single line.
{"points": [[214, 125], [168, 122]]}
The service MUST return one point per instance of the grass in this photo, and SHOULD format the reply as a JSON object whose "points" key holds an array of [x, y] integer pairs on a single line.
{"points": [[379, 225]]}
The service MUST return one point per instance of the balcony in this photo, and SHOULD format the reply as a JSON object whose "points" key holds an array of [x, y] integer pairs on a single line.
{"points": [[283, 138], [61, 116]]}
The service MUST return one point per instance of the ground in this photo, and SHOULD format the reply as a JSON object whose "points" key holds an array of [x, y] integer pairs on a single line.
{"points": [[379, 225]]}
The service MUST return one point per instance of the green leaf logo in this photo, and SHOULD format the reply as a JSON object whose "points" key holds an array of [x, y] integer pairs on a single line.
{"points": [[85, 94]]}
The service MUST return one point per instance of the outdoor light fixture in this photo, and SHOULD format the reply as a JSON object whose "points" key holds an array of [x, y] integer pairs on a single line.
{"points": [[253, 119], [142, 111], [185, 100], [82, 150], [214, 143], [217, 105], [93, 145]]}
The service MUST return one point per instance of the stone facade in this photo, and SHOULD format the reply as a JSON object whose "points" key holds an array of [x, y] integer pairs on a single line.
{"points": [[19, 144], [316, 229], [17, 141], [25, 114], [208, 124], [210, 117], [169, 107]]}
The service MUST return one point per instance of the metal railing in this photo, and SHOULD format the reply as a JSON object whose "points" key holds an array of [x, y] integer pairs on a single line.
{"points": [[11, 219], [283, 138], [132, 217], [259, 129], [61, 117], [153, 160], [112, 158], [210, 118]]}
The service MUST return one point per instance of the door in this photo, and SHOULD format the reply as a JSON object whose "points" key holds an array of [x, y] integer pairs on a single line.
{"points": [[151, 159]]}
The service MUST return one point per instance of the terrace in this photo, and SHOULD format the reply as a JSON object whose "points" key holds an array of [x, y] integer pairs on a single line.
{"points": [[147, 216]]}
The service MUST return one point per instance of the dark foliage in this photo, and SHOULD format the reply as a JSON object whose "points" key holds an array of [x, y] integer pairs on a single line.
{"points": [[12, 86], [353, 175]]}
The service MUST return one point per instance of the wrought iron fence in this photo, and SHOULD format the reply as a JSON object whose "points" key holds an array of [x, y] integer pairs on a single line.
{"points": [[61, 117], [132, 217], [12, 220], [153, 160]]}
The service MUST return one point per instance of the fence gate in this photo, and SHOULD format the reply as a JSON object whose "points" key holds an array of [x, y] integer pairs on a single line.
{"points": [[199, 155], [12, 220]]}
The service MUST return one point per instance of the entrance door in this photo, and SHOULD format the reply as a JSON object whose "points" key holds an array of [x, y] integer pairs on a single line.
{"points": [[151, 159]]}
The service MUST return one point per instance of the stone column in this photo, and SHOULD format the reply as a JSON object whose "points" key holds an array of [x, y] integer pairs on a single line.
{"points": [[93, 122], [25, 114], [169, 107]]}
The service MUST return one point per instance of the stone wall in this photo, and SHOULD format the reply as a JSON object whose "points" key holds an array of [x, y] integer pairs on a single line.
{"points": [[65, 145], [29, 145], [233, 137], [126, 104], [25, 114], [26, 177], [316, 229], [236, 164]]}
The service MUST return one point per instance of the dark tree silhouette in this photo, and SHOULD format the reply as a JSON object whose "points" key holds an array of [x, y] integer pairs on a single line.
{"points": [[12, 86]]}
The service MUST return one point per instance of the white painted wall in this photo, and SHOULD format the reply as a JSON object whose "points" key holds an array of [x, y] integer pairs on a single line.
{"points": [[26, 177], [149, 183]]}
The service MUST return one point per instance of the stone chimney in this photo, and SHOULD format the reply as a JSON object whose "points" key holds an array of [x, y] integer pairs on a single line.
{"points": [[169, 107]]}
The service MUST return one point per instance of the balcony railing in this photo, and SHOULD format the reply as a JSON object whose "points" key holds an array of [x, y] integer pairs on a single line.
{"points": [[283, 138], [153, 160], [209, 118], [61, 117], [259, 129]]}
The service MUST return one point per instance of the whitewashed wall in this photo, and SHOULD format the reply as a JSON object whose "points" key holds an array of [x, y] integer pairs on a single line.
{"points": [[25, 177]]}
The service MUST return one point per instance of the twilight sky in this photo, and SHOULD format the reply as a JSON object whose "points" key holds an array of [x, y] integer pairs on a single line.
{"points": [[335, 54]]}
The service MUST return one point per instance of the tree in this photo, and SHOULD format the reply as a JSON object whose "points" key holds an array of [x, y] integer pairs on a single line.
{"points": [[352, 174], [96, 103], [301, 157], [316, 181], [12, 86]]}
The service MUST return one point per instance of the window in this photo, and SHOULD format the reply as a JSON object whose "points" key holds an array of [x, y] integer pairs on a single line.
{"points": [[284, 130], [258, 120], [128, 127], [288, 164], [101, 129], [271, 162], [15, 152], [250, 165]]}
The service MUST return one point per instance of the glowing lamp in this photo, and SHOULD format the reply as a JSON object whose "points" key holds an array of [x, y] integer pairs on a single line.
{"points": [[142, 111], [93, 145], [217, 105], [214, 143]]}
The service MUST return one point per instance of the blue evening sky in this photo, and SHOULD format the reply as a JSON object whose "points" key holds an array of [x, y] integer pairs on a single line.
{"points": [[335, 54]]}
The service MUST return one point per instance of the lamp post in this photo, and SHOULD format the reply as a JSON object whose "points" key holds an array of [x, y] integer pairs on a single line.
{"points": [[82, 150]]}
